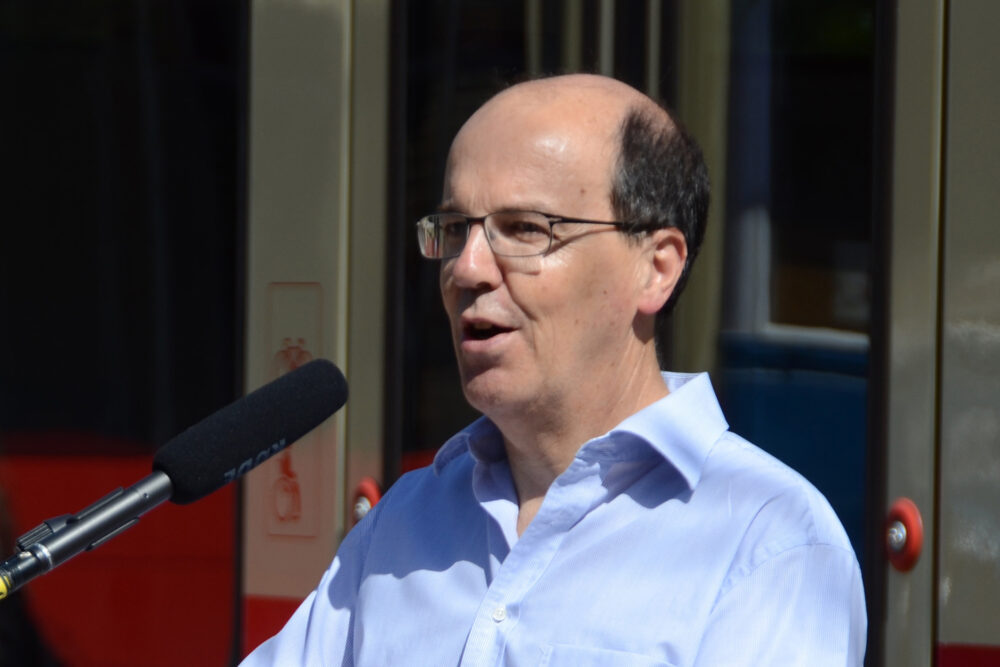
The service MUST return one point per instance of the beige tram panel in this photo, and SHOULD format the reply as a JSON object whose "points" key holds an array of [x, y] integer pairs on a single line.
{"points": [[968, 586], [315, 267]]}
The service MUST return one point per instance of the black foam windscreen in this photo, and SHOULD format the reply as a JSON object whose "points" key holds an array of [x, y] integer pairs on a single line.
{"points": [[244, 434]]}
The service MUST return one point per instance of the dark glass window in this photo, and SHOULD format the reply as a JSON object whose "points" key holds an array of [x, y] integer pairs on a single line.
{"points": [[797, 306], [120, 249]]}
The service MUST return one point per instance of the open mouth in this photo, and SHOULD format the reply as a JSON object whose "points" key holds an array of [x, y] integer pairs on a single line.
{"points": [[483, 331]]}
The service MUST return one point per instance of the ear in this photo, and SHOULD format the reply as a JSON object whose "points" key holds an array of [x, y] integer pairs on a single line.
{"points": [[666, 252]]}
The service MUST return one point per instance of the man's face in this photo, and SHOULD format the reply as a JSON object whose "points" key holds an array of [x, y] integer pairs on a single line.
{"points": [[538, 334]]}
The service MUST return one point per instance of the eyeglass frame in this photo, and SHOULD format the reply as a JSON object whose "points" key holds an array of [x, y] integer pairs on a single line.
{"points": [[552, 220]]}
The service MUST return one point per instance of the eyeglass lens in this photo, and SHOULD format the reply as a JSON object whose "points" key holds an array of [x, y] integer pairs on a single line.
{"points": [[509, 233]]}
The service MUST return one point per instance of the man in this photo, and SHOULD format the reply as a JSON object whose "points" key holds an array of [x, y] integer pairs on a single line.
{"points": [[600, 513]]}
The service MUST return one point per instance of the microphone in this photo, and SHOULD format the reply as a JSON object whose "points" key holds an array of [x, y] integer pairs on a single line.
{"points": [[225, 445]]}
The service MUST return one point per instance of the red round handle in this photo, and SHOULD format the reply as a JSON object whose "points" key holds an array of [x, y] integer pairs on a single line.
{"points": [[904, 534], [366, 495]]}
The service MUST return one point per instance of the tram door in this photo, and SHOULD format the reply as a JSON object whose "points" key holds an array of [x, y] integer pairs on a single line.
{"points": [[318, 114], [942, 393]]}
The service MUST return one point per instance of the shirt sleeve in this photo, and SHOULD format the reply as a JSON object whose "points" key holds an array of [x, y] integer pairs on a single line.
{"points": [[803, 606], [321, 630]]}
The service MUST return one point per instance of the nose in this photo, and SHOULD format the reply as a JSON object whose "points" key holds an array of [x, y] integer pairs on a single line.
{"points": [[476, 266]]}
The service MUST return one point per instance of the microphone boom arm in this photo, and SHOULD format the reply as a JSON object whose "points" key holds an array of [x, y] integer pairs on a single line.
{"points": [[55, 541]]}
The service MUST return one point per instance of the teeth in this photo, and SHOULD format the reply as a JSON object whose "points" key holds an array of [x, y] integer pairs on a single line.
{"points": [[482, 326]]}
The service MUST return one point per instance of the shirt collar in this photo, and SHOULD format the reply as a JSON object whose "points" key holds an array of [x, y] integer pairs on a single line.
{"points": [[482, 439], [681, 427]]}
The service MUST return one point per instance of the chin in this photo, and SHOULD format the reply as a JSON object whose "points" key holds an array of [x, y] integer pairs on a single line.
{"points": [[492, 394]]}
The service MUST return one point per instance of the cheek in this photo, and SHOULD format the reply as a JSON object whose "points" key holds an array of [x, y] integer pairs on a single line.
{"points": [[447, 289], [567, 311], [605, 305]]}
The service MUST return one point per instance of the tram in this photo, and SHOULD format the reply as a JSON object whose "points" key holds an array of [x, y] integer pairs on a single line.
{"points": [[203, 195]]}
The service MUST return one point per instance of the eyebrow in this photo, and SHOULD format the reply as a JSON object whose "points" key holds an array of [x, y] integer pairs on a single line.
{"points": [[449, 207]]}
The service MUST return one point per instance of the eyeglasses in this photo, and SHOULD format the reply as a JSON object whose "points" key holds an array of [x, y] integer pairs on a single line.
{"points": [[509, 233]]}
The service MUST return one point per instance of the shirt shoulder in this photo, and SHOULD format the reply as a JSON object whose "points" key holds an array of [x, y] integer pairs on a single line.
{"points": [[449, 475], [775, 507], [422, 502]]}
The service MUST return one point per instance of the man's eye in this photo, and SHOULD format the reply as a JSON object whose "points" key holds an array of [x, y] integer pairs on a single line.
{"points": [[453, 230], [523, 229]]}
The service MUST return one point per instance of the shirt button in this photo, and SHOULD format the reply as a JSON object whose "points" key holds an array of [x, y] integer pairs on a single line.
{"points": [[499, 614]]}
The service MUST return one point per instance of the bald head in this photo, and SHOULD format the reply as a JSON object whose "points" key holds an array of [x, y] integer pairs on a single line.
{"points": [[583, 112], [591, 98]]}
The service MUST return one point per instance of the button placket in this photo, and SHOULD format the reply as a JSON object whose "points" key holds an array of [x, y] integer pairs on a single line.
{"points": [[571, 497]]}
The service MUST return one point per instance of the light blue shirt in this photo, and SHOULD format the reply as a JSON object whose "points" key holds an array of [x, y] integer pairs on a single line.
{"points": [[667, 541]]}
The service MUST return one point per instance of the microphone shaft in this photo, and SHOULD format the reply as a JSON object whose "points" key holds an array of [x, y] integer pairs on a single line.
{"points": [[57, 540]]}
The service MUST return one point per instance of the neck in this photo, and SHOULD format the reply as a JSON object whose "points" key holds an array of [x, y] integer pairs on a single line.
{"points": [[541, 443]]}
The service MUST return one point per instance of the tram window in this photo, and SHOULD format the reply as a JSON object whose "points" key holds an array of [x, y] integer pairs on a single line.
{"points": [[822, 97], [120, 307], [120, 244], [799, 169], [796, 304]]}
